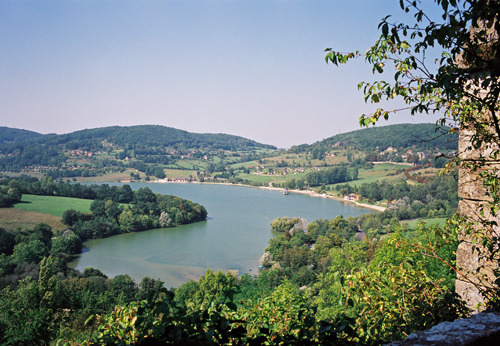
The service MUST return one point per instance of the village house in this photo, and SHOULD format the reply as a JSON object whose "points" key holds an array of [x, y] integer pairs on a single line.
{"points": [[180, 180], [351, 197], [421, 155]]}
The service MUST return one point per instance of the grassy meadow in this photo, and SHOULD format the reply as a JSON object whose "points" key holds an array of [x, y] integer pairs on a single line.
{"points": [[412, 224], [40, 209], [52, 205]]}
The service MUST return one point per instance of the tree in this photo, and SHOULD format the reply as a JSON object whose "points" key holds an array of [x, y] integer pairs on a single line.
{"points": [[451, 87], [103, 191], [22, 318], [125, 193], [284, 313], [145, 195], [68, 243], [149, 289], [42, 232], [7, 242], [159, 173], [98, 207], [70, 217], [464, 87], [33, 252], [47, 185], [9, 196], [165, 220], [211, 288], [91, 272], [124, 287], [113, 209], [128, 222]]}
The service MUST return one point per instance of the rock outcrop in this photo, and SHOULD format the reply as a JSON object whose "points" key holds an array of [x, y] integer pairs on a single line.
{"points": [[480, 329]]}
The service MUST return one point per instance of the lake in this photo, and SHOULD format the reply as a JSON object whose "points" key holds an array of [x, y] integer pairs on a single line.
{"points": [[232, 238]]}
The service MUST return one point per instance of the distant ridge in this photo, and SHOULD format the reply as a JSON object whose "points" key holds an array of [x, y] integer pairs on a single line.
{"points": [[140, 136], [113, 148], [401, 136], [8, 134]]}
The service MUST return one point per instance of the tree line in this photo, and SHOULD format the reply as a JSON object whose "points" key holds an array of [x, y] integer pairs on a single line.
{"points": [[436, 198]]}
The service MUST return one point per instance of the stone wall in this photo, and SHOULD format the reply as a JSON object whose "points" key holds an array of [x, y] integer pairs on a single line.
{"points": [[474, 266], [475, 269], [480, 329]]}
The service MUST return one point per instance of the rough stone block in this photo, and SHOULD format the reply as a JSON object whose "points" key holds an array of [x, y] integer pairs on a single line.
{"points": [[466, 150], [470, 295], [470, 183], [473, 263], [479, 329], [480, 216]]}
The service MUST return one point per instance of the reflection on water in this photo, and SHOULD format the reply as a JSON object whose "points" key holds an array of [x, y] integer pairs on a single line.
{"points": [[233, 237]]}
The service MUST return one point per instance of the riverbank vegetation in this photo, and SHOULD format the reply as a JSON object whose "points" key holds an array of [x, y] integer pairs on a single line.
{"points": [[95, 211], [438, 197], [117, 207]]}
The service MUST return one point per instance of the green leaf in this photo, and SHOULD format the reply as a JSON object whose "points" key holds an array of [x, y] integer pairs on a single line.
{"points": [[88, 320], [385, 29]]}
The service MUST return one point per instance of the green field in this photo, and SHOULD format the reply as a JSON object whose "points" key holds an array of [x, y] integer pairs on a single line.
{"points": [[379, 172], [244, 164], [52, 205], [265, 178], [260, 178], [431, 222], [186, 164]]}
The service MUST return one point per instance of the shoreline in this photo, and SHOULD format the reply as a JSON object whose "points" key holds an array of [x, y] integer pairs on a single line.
{"points": [[271, 188], [324, 195]]}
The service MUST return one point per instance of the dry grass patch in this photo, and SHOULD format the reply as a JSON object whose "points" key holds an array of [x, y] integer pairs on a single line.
{"points": [[106, 178], [179, 173], [13, 219]]}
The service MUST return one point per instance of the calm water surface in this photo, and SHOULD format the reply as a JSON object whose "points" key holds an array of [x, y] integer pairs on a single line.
{"points": [[233, 238]]}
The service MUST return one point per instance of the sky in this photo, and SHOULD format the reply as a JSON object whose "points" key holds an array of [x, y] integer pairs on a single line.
{"points": [[252, 68]]}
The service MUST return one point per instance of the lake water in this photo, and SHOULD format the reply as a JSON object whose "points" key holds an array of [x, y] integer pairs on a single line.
{"points": [[233, 237]]}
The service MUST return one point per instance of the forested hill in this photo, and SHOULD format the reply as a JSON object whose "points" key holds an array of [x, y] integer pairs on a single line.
{"points": [[8, 134], [155, 135], [131, 137], [401, 136]]}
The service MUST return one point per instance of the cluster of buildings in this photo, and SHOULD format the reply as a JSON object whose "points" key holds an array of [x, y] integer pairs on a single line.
{"points": [[79, 152]]}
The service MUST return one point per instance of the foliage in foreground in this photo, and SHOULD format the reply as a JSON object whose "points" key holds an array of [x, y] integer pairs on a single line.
{"points": [[359, 299], [359, 292]]}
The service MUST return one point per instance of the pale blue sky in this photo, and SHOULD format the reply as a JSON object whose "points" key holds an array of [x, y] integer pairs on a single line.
{"points": [[253, 68]]}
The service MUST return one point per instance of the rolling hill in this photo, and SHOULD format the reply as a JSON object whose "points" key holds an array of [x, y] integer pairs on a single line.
{"points": [[153, 149], [401, 136], [9, 135], [19, 148], [133, 136]]}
